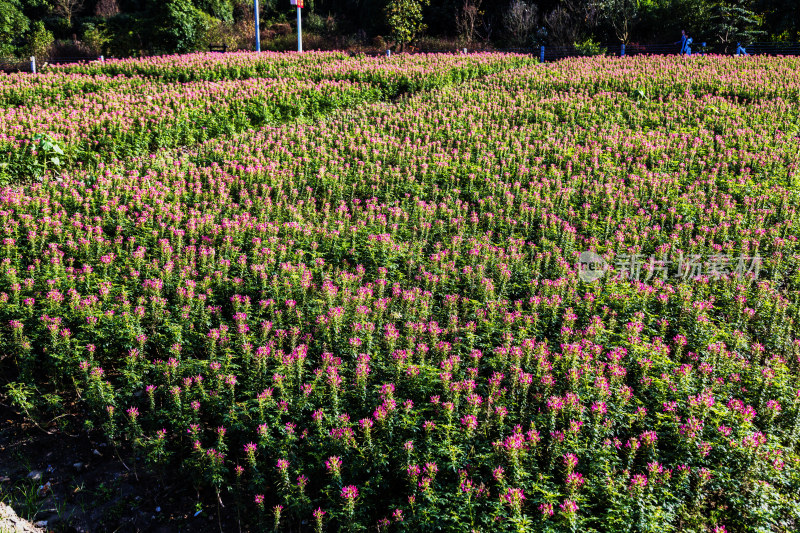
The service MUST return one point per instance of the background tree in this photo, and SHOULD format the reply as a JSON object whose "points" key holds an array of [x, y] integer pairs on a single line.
{"points": [[404, 18], [781, 18], [620, 14], [468, 18], [106, 8], [571, 21], [733, 22], [183, 26], [563, 26], [223, 9], [68, 9], [142, 26], [13, 23], [40, 40], [520, 21]]}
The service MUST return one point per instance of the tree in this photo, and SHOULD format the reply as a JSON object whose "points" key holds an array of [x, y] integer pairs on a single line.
{"points": [[183, 26], [520, 21], [563, 26], [733, 22], [467, 18], [223, 9], [106, 8], [404, 18], [570, 20], [68, 8], [781, 17], [40, 40], [621, 14], [13, 23]]}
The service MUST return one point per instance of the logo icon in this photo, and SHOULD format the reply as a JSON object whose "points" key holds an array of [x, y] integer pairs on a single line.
{"points": [[591, 267]]}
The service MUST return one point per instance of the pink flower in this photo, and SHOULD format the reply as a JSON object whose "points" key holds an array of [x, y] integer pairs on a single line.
{"points": [[575, 481], [513, 498], [431, 469], [569, 508], [638, 482], [349, 492], [334, 464], [498, 473], [570, 461], [469, 421]]}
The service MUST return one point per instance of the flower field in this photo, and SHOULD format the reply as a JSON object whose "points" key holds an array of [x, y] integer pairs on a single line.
{"points": [[362, 311], [130, 108]]}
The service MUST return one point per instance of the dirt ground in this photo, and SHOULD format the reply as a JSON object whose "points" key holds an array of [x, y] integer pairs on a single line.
{"points": [[77, 483]]}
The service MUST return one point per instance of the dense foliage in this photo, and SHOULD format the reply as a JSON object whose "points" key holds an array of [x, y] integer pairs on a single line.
{"points": [[121, 28], [378, 318], [101, 118]]}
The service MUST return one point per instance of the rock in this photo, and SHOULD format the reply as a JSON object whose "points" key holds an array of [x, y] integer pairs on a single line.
{"points": [[41, 523], [9, 521], [35, 475], [43, 490]]}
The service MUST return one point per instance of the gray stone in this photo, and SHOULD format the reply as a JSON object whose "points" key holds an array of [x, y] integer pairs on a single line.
{"points": [[13, 523]]}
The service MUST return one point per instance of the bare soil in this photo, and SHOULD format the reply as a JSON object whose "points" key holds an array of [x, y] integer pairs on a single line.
{"points": [[78, 483]]}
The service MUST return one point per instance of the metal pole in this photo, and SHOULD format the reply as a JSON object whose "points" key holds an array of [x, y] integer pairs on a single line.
{"points": [[258, 31], [33, 64], [299, 31], [622, 52], [541, 55]]}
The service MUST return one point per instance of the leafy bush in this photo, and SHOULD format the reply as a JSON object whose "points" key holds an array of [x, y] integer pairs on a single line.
{"points": [[183, 26], [590, 47], [13, 24], [96, 39], [40, 41]]}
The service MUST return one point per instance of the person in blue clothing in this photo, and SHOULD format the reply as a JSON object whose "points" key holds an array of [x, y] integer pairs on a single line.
{"points": [[682, 42], [740, 50], [687, 47]]}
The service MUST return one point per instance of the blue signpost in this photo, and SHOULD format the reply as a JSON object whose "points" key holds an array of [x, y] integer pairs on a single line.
{"points": [[258, 31], [299, 4]]}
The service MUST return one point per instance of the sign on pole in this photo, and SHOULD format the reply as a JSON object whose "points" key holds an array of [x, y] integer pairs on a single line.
{"points": [[258, 30], [299, 4]]}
